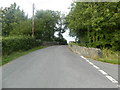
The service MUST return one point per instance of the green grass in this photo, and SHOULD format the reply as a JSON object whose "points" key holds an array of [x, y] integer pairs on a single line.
{"points": [[14, 55], [110, 56], [112, 61]]}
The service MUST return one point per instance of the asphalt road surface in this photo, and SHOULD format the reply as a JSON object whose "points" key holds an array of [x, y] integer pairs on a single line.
{"points": [[56, 67]]}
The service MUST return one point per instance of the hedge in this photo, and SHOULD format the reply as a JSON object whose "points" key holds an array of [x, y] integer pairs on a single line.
{"points": [[17, 43]]}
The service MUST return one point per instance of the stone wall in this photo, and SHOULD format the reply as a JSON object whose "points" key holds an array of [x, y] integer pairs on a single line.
{"points": [[93, 53]]}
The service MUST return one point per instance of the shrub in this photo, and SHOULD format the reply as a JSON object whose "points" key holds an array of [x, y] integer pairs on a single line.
{"points": [[16, 43]]}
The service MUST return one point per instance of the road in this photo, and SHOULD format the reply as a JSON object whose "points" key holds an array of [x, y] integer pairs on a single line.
{"points": [[56, 67]]}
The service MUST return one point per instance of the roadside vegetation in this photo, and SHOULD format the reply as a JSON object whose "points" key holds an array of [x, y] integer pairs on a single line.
{"points": [[110, 56], [17, 35], [96, 24], [14, 55]]}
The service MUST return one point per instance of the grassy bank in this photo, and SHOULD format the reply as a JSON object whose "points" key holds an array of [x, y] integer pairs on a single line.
{"points": [[110, 56], [14, 55]]}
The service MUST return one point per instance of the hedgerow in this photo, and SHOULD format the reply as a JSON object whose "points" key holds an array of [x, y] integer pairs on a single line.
{"points": [[18, 43]]}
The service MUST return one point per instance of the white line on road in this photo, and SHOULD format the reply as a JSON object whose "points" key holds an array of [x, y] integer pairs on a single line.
{"points": [[91, 63], [112, 79], [103, 72], [96, 67], [83, 58]]}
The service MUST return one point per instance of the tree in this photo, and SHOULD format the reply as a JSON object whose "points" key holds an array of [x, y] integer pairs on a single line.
{"points": [[60, 26], [45, 24], [94, 23], [11, 16], [23, 28]]}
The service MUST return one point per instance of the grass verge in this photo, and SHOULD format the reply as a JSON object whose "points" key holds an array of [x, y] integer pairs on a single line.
{"points": [[110, 56], [14, 55]]}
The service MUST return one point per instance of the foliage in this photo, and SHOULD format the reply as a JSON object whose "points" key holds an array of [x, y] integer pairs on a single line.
{"points": [[17, 43], [110, 56], [10, 17], [60, 27], [23, 28], [61, 41], [17, 28], [46, 22], [95, 24]]}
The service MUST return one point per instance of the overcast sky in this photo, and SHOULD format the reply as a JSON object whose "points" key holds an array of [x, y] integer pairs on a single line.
{"points": [[56, 5]]}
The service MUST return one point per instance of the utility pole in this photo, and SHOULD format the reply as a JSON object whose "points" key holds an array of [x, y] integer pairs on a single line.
{"points": [[33, 23]]}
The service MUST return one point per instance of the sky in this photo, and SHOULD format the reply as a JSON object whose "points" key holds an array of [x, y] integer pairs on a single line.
{"points": [[56, 5]]}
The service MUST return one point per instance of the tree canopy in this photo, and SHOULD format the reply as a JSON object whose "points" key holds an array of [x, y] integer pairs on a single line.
{"points": [[10, 17], [95, 24], [47, 22]]}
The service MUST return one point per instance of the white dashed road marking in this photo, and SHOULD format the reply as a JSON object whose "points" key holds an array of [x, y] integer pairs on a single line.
{"points": [[91, 63], [112, 79], [103, 72], [96, 67], [84, 58]]}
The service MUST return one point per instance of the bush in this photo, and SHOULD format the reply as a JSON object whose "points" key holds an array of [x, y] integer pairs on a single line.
{"points": [[110, 56], [16, 43], [61, 41]]}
